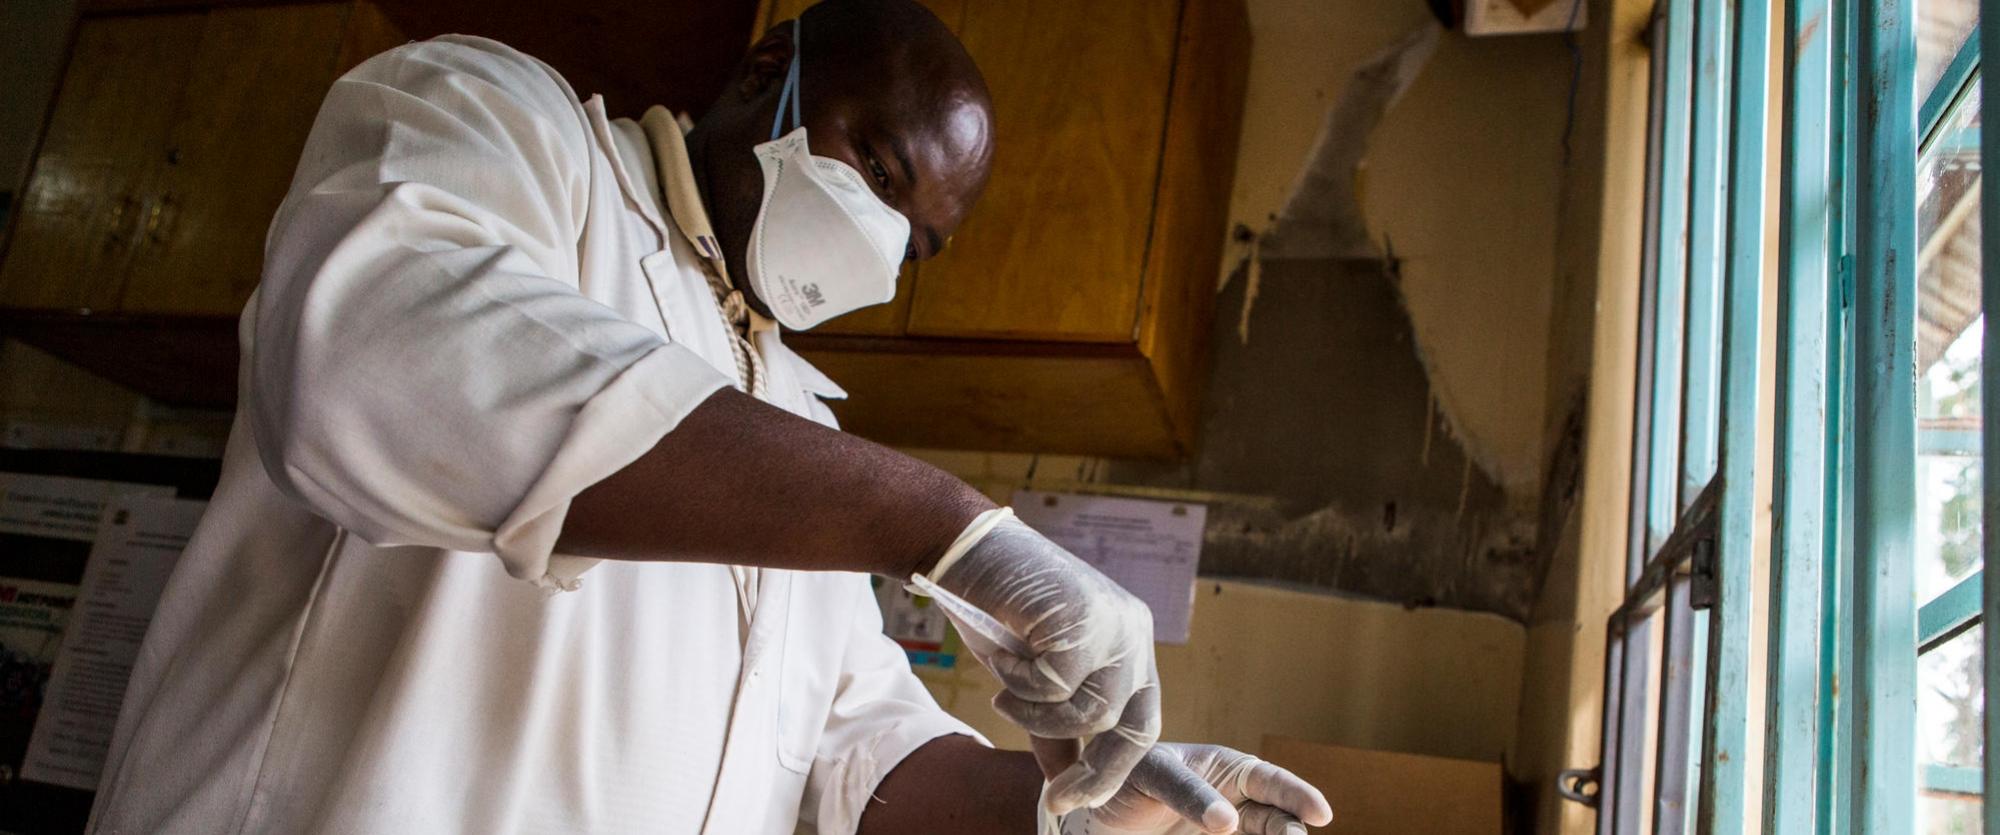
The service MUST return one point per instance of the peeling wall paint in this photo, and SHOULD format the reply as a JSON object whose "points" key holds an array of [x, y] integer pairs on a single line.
{"points": [[1381, 337], [1327, 424], [1459, 182]]}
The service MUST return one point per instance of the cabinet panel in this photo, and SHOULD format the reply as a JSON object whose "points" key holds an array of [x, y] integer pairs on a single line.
{"points": [[259, 76], [1083, 399], [85, 205], [1211, 71], [1056, 248]]}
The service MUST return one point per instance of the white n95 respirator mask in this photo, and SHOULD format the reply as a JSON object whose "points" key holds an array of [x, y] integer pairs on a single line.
{"points": [[824, 244]]}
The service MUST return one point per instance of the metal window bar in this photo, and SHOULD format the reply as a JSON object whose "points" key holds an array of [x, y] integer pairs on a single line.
{"points": [[1957, 77], [1656, 418], [1885, 668], [1708, 190], [1950, 614], [1836, 633], [1806, 279], [1989, 144], [1665, 501], [1724, 766]]}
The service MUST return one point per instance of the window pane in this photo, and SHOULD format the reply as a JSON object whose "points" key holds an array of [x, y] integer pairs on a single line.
{"points": [[1948, 814], [1942, 27], [1950, 713], [1948, 353]]}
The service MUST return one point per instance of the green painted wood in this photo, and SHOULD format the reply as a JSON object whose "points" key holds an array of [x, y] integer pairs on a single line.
{"points": [[1836, 634], [1989, 208], [1950, 613], [1708, 191], [1806, 279], [1663, 498], [1952, 779], [1885, 657]]}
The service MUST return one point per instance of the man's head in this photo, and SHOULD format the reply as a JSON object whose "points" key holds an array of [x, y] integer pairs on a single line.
{"points": [[885, 88]]}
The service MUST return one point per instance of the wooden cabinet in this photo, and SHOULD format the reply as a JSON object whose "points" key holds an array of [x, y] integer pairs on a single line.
{"points": [[170, 145], [1071, 311]]}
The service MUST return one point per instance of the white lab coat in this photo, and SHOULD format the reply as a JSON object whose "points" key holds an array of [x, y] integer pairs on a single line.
{"points": [[474, 306]]}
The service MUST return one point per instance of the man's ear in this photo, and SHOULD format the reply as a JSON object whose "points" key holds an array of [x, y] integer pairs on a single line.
{"points": [[767, 62]]}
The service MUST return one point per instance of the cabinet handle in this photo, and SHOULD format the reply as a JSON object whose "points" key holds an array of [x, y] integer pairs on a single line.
{"points": [[160, 221], [122, 235]]}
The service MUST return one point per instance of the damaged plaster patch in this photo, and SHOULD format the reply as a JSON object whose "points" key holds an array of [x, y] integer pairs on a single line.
{"points": [[1328, 418], [1322, 216]]}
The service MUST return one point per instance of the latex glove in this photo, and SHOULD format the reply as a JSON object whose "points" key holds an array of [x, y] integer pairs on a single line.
{"points": [[1187, 789], [1090, 664]]}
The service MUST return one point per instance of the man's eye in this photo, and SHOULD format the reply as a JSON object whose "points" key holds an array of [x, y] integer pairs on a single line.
{"points": [[880, 173]]}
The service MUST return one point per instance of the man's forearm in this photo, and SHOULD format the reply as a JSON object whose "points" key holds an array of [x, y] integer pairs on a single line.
{"points": [[745, 483], [953, 784]]}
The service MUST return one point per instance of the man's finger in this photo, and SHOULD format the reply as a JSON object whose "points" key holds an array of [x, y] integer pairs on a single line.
{"points": [[1272, 785], [1163, 777], [1110, 756], [1027, 678], [1259, 819], [1094, 707]]}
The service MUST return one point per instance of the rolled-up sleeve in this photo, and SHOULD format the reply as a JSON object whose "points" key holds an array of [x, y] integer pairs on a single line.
{"points": [[881, 713], [423, 369]]}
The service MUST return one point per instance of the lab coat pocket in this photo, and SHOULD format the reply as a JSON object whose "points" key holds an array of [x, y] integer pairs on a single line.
{"points": [[809, 673]]}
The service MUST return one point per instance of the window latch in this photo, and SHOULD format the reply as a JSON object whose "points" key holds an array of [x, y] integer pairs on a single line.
{"points": [[1702, 575]]}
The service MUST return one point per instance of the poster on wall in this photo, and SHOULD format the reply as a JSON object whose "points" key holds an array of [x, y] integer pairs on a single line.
{"points": [[52, 504], [137, 546], [32, 613], [1150, 547], [916, 625]]}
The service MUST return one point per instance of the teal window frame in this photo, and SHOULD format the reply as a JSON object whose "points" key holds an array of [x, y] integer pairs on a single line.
{"points": [[1844, 631], [1695, 445]]}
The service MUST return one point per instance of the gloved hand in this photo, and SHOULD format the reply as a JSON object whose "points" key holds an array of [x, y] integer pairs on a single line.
{"points": [[1184, 789], [1090, 664]]}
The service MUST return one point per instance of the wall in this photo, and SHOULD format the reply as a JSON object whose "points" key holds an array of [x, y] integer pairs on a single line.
{"points": [[1375, 416], [1591, 362], [1359, 673], [1459, 184]]}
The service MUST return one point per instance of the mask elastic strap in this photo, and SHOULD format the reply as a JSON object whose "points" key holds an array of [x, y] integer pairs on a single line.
{"points": [[790, 92]]}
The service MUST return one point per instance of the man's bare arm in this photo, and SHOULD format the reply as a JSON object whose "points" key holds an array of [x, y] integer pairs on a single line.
{"points": [[745, 483], [953, 784]]}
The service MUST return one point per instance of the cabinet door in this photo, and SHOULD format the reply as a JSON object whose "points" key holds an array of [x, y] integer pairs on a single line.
{"points": [[1056, 247], [258, 78], [85, 206]]}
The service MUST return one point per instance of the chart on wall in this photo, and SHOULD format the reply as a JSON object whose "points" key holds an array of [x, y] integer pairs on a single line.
{"points": [[1152, 548]]}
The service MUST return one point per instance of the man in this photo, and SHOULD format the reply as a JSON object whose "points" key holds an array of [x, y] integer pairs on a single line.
{"points": [[495, 323]]}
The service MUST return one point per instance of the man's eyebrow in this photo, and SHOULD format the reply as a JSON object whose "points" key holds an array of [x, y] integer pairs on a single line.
{"points": [[902, 154], [903, 157]]}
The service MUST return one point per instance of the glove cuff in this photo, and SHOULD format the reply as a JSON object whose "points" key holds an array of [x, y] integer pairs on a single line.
{"points": [[980, 526]]}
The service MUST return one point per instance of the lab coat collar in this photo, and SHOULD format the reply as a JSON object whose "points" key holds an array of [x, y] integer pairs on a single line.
{"points": [[666, 135], [633, 184], [677, 183]]}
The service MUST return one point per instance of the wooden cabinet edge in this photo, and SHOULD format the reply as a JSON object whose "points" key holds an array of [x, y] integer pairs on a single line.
{"points": [[1188, 237]]}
